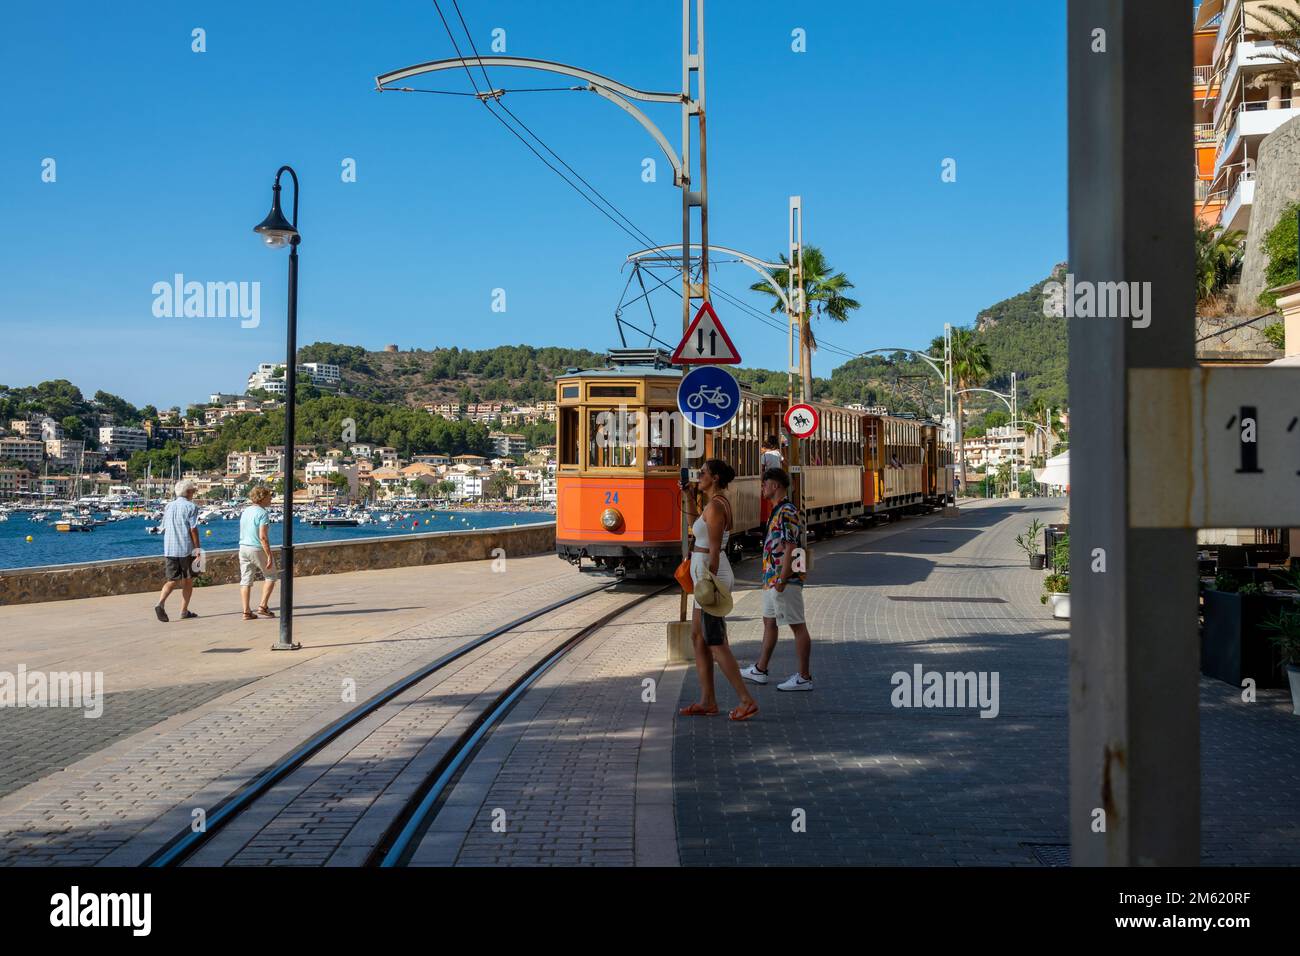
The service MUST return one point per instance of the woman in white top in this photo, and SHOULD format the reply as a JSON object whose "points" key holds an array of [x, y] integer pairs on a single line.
{"points": [[771, 457], [711, 532]]}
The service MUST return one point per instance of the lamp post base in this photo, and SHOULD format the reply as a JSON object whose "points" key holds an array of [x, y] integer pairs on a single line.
{"points": [[680, 647], [286, 647]]}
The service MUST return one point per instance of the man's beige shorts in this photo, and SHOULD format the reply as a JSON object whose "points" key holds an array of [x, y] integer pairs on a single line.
{"points": [[786, 606], [253, 566]]}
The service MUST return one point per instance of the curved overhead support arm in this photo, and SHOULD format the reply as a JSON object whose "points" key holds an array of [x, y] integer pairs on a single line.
{"points": [[1005, 402], [1025, 421], [617, 93], [928, 359], [679, 178], [526, 63], [758, 265]]}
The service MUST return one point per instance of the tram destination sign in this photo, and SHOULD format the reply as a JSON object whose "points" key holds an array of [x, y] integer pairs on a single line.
{"points": [[1214, 447]]}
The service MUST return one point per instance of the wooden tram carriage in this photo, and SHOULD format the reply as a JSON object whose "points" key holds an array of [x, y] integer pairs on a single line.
{"points": [[619, 461]]}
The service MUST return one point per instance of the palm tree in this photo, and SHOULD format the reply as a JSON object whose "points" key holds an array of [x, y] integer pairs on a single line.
{"points": [[1218, 258], [971, 367], [824, 295], [1003, 475], [1283, 28]]}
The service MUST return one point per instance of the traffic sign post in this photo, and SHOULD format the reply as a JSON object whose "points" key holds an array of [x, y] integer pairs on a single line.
{"points": [[801, 420], [708, 397], [706, 342]]}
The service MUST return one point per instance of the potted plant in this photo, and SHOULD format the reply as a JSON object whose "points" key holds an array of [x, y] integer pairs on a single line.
{"points": [[1234, 644], [1060, 563], [1028, 543], [1283, 631], [1056, 588]]}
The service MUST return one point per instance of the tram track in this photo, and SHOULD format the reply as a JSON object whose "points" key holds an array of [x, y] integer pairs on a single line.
{"points": [[403, 837], [186, 843]]}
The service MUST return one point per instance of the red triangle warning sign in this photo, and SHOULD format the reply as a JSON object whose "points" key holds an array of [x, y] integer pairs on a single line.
{"points": [[706, 342]]}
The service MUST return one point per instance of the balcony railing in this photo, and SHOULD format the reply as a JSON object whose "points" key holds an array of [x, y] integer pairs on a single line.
{"points": [[1202, 190], [1204, 133], [1255, 106], [1201, 75]]}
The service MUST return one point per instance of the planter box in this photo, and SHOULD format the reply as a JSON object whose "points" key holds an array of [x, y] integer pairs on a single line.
{"points": [[1060, 606], [1232, 645]]}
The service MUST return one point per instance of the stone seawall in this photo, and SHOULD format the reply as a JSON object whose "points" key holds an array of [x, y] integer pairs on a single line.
{"points": [[140, 575]]}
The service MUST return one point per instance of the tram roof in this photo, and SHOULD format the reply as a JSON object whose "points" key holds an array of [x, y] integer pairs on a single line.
{"points": [[644, 371]]}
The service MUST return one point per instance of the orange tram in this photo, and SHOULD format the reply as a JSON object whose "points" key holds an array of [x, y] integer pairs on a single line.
{"points": [[620, 457]]}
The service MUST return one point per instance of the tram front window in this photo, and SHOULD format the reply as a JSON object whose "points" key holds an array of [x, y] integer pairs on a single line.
{"points": [[663, 437], [612, 439]]}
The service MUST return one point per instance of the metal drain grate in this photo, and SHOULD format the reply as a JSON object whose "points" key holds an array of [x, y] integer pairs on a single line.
{"points": [[225, 650], [948, 600], [1050, 854]]}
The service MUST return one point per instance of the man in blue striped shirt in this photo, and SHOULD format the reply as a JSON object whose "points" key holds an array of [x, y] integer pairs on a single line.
{"points": [[180, 524]]}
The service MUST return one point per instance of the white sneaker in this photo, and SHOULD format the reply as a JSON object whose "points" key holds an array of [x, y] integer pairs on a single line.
{"points": [[795, 682], [754, 675]]}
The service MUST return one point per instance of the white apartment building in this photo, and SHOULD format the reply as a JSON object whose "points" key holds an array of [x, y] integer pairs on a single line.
{"points": [[549, 492], [123, 439], [1002, 443], [270, 376], [469, 484], [1234, 110], [65, 451], [253, 464], [50, 430]]}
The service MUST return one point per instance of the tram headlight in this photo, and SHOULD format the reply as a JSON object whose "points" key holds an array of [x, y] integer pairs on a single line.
{"points": [[611, 520]]}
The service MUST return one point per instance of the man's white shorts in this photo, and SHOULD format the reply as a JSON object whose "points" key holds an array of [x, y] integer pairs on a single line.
{"points": [[786, 606]]}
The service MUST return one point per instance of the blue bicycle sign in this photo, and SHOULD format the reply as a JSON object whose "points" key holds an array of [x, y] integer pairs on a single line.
{"points": [[708, 397]]}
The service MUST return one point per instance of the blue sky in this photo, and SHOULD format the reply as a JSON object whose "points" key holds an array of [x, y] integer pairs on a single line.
{"points": [[165, 158]]}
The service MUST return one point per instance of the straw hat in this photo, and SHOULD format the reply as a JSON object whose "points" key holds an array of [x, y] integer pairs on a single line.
{"points": [[712, 596]]}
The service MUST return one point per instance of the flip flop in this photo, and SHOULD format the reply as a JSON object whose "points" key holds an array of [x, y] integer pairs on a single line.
{"points": [[698, 710], [743, 712], [265, 611], [250, 616], [186, 615], [162, 615]]}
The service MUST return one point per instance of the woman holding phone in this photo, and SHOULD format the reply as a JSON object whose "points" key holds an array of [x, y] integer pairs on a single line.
{"points": [[710, 534]]}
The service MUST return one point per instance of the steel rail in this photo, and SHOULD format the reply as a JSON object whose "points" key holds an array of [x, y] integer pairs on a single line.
{"points": [[398, 844], [187, 842]]}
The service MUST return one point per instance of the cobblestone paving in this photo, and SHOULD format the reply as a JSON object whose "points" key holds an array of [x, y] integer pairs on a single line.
{"points": [[877, 784], [318, 820], [92, 810], [562, 771], [36, 742]]}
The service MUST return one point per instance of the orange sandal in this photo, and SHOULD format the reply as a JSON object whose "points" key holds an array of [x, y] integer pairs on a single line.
{"points": [[743, 712], [698, 710]]}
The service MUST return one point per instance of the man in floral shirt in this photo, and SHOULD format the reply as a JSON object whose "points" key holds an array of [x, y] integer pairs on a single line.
{"points": [[782, 584]]}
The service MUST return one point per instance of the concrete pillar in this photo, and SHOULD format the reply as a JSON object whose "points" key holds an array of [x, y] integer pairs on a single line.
{"points": [[1275, 96], [1288, 304], [1134, 656]]}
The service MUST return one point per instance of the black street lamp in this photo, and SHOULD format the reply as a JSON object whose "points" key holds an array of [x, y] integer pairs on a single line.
{"points": [[279, 232]]}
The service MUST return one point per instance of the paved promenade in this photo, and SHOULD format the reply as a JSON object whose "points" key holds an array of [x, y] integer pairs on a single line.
{"points": [[203, 704], [593, 766], [876, 784]]}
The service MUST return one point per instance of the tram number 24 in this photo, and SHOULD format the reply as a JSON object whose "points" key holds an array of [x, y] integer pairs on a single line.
{"points": [[611, 497]]}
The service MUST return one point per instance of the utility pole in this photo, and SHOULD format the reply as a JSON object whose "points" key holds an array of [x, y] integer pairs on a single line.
{"points": [[796, 297], [692, 63]]}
